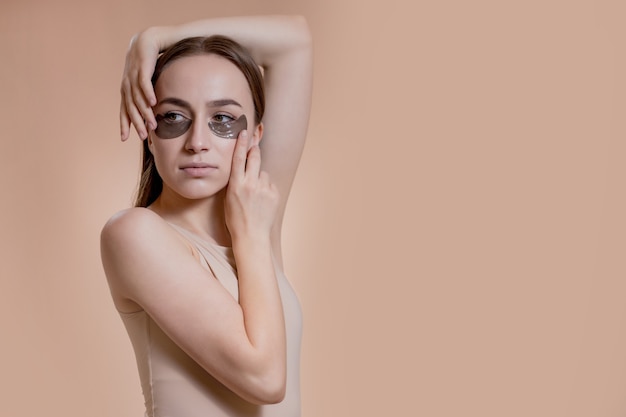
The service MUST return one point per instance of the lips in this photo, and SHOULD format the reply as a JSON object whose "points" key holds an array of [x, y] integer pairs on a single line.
{"points": [[197, 165], [198, 169]]}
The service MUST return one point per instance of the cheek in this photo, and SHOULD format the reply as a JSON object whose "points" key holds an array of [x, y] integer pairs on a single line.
{"points": [[227, 158], [226, 150], [163, 157]]}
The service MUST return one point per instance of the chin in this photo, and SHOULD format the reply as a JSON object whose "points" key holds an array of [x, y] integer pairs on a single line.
{"points": [[196, 194], [195, 190]]}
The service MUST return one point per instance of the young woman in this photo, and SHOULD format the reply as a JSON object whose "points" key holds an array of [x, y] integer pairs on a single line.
{"points": [[195, 269]]}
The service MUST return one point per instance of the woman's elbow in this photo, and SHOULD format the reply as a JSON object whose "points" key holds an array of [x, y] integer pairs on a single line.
{"points": [[273, 396], [269, 391], [302, 32]]}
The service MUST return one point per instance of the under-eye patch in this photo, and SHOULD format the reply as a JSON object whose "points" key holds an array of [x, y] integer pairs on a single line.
{"points": [[172, 125], [229, 129]]}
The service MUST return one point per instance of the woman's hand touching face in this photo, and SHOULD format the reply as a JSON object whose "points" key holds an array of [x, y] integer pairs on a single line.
{"points": [[251, 198]]}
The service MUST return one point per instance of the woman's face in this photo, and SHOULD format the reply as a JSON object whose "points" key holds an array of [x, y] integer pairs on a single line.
{"points": [[195, 95]]}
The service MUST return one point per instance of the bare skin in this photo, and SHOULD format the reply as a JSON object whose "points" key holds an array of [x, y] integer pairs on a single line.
{"points": [[236, 198]]}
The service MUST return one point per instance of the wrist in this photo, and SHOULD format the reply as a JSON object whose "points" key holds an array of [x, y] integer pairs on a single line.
{"points": [[159, 36], [246, 242], [167, 36]]}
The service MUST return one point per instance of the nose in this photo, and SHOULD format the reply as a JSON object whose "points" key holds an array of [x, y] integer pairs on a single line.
{"points": [[198, 138]]}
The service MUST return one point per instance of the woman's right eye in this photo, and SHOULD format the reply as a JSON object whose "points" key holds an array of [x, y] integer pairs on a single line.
{"points": [[171, 117]]}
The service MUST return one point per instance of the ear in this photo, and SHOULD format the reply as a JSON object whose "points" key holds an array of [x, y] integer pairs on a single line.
{"points": [[258, 134], [150, 142]]}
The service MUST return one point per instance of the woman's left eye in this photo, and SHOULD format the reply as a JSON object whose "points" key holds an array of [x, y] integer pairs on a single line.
{"points": [[223, 118]]}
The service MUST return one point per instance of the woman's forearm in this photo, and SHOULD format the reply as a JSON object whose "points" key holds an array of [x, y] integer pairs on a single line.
{"points": [[260, 301], [266, 37]]}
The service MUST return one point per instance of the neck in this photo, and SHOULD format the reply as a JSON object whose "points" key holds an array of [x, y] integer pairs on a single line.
{"points": [[204, 217]]}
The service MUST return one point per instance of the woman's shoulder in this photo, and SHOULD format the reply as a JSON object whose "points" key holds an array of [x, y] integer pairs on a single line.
{"points": [[131, 221], [130, 216], [136, 244], [139, 231], [136, 227]]}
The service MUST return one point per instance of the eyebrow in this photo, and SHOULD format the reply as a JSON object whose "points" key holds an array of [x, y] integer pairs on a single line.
{"points": [[223, 102], [213, 103], [175, 101]]}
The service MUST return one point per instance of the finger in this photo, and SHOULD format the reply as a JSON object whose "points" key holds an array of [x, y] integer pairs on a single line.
{"points": [[124, 121], [253, 164], [144, 108], [135, 117], [145, 82], [239, 156], [124, 118], [137, 122]]}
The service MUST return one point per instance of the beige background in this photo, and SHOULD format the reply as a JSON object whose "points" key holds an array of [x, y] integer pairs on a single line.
{"points": [[456, 232]]}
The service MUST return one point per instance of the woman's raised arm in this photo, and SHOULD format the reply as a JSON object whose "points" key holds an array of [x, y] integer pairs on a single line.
{"points": [[282, 45]]}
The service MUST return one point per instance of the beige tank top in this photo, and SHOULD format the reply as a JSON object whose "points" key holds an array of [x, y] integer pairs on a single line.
{"points": [[174, 385]]}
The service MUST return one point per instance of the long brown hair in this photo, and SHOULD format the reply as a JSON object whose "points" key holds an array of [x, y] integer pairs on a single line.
{"points": [[150, 182]]}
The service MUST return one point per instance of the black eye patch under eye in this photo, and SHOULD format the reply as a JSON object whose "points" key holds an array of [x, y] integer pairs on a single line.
{"points": [[230, 129], [169, 129]]}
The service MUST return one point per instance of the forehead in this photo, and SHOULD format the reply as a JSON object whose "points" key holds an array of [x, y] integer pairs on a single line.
{"points": [[202, 78]]}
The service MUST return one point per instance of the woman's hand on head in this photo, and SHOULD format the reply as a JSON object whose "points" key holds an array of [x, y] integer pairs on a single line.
{"points": [[137, 93], [251, 198]]}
